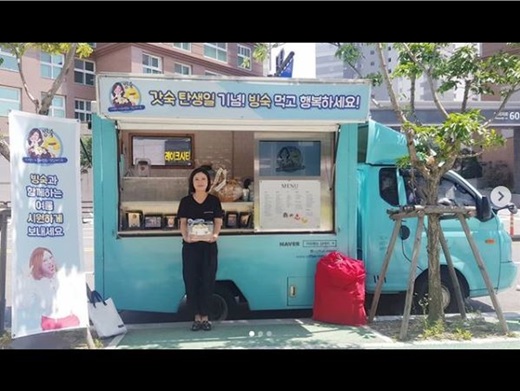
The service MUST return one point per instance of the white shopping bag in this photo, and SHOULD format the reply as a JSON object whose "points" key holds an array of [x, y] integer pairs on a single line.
{"points": [[104, 316]]}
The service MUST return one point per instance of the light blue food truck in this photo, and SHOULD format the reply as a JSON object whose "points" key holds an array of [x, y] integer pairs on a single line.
{"points": [[302, 171]]}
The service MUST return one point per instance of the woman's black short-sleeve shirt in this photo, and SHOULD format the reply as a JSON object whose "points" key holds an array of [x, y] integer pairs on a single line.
{"points": [[210, 209]]}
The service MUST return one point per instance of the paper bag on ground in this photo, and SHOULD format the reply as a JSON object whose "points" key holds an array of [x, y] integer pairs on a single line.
{"points": [[104, 316]]}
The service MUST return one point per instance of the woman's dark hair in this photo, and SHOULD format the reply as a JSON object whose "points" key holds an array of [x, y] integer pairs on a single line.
{"points": [[36, 130], [118, 84], [193, 173]]}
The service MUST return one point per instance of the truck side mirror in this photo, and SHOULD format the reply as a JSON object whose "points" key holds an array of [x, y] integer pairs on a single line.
{"points": [[484, 209], [511, 207]]}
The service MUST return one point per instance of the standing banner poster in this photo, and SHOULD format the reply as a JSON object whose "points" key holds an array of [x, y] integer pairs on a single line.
{"points": [[48, 277]]}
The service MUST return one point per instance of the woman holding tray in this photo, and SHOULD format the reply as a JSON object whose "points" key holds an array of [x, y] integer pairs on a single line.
{"points": [[200, 215]]}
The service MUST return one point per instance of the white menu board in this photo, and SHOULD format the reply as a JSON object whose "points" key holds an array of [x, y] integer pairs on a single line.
{"points": [[289, 204], [152, 149]]}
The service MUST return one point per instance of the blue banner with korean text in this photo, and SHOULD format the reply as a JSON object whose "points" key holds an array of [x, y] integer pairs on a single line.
{"points": [[48, 278], [162, 96]]}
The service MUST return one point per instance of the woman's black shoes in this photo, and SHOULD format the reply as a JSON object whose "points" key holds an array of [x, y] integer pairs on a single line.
{"points": [[198, 325]]}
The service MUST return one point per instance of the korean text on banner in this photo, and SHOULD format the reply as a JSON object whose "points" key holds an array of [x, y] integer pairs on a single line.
{"points": [[48, 279]]}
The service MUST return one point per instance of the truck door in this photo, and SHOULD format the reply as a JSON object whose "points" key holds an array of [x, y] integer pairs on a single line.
{"points": [[455, 192], [485, 235], [382, 191]]}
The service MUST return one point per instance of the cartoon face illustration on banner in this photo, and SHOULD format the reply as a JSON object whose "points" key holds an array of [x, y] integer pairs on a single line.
{"points": [[125, 96], [43, 145]]}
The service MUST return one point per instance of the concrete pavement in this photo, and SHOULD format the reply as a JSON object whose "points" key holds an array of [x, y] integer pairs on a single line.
{"points": [[299, 333], [296, 334]]}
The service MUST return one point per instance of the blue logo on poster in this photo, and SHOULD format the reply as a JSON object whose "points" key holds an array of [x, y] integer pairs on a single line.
{"points": [[289, 159], [44, 146], [125, 96]]}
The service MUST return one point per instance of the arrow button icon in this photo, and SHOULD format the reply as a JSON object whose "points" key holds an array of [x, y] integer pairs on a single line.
{"points": [[500, 196]]}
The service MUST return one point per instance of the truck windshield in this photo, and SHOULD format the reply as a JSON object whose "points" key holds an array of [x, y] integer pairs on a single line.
{"points": [[450, 191]]}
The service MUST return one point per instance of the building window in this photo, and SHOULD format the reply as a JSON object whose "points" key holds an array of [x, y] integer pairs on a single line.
{"points": [[181, 69], [51, 65], [244, 57], [182, 45], [57, 108], [92, 44], [9, 100], [152, 64], [84, 72], [82, 110], [209, 73], [9, 60], [216, 50]]}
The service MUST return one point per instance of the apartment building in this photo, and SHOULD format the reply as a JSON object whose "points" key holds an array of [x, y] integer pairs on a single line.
{"points": [[74, 98]]}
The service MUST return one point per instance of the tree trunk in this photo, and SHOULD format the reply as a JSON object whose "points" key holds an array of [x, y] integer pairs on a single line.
{"points": [[435, 310], [48, 97], [5, 151]]}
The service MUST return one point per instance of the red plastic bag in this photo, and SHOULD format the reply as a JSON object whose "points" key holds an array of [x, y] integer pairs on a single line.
{"points": [[339, 292]]}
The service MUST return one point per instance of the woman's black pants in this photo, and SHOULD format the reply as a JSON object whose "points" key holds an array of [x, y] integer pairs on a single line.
{"points": [[199, 270]]}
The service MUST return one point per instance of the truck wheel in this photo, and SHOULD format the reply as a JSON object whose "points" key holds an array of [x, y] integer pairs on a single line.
{"points": [[449, 302], [223, 304]]}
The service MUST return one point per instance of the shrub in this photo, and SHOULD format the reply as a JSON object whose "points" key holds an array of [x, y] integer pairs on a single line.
{"points": [[497, 174]]}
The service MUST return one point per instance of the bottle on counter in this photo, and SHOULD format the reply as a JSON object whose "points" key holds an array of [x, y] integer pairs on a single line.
{"points": [[245, 194], [251, 188]]}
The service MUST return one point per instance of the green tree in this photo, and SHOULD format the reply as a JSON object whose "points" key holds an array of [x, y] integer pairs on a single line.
{"points": [[433, 150], [86, 153], [18, 49]]}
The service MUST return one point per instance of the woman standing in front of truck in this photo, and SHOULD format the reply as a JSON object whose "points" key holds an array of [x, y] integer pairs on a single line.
{"points": [[200, 215]]}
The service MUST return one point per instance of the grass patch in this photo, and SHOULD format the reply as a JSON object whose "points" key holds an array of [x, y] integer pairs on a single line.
{"points": [[452, 328]]}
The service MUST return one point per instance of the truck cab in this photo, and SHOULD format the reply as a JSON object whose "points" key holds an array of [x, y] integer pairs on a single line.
{"points": [[383, 186]]}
